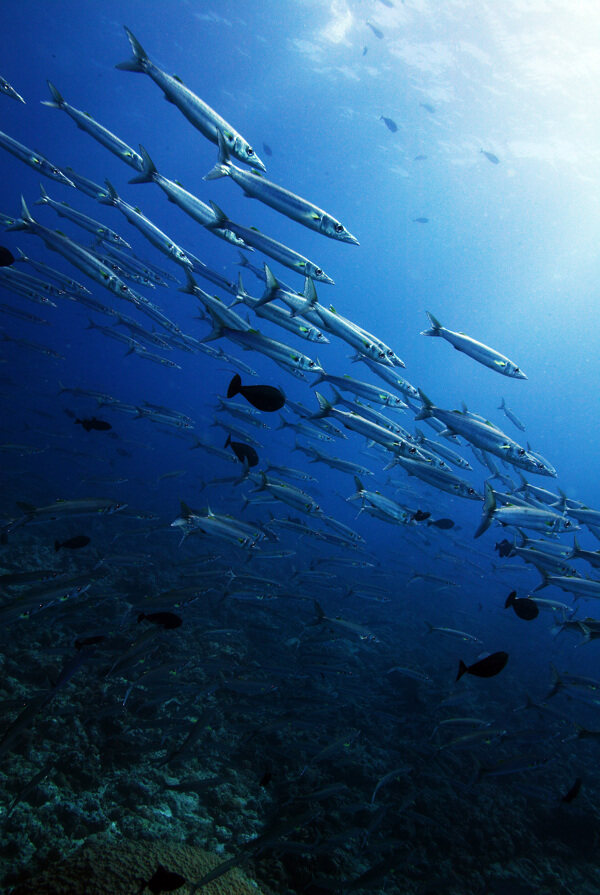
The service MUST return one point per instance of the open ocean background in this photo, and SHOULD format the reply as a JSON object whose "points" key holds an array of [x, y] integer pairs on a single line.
{"points": [[508, 255]]}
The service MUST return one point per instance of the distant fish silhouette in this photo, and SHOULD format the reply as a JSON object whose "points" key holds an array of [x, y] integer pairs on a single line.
{"points": [[389, 123], [428, 108], [420, 220], [6, 257], [491, 157], [488, 667], [267, 149], [375, 30], [163, 880]]}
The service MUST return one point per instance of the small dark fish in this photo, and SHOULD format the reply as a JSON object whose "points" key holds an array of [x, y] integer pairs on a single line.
{"points": [[75, 543], [376, 31], [267, 149], [244, 452], [389, 123], [420, 220], [428, 108], [82, 642], [267, 777], [420, 516], [491, 157], [365, 51], [504, 548], [6, 257], [488, 667], [573, 792], [263, 397], [166, 620], [94, 423], [444, 524], [163, 880], [524, 607], [420, 158], [387, 3]]}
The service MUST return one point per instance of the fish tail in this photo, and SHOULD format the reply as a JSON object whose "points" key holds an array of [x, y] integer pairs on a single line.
{"points": [[44, 197], [359, 485], [510, 599], [319, 610], [436, 327], [221, 218], [337, 398], [243, 262], [427, 409], [489, 506], [112, 197], [324, 407], [190, 283], [545, 579], [234, 386], [141, 617], [139, 60], [148, 170], [462, 668], [228, 442], [24, 222], [222, 168], [57, 101], [502, 405]]}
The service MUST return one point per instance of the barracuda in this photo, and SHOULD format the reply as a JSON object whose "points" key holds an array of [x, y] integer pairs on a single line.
{"points": [[34, 160], [199, 113], [100, 231], [85, 122], [292, 206], [521, 516]]}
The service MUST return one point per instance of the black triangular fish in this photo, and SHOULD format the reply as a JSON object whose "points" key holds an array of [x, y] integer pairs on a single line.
{"points": [[488, 667], [263, 397]]}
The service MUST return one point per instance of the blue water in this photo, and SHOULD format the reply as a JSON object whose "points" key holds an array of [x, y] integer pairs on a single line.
{"points": [[508, 255]]}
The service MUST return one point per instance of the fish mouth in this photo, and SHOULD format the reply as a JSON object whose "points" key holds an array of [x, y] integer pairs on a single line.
{"points": [[323, 278], [255, 162], [347, 237], [62, 178]]}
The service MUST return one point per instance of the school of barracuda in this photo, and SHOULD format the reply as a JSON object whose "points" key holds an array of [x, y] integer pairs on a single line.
{"points": [[274, 678]]}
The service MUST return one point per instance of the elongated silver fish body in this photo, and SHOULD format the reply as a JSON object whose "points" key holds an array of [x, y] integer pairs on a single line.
{"points": [[199, 113], [292, 206], [483, 354]]}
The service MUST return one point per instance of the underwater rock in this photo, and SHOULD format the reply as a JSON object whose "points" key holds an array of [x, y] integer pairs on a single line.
{"points": [[104, 866]]}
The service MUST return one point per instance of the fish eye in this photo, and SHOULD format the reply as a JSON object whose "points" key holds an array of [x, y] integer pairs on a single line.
{"points": [[124, 288], [567, 523], [338, 228], [471, 490], [319, 272], [250, 151], [522, 452], [412, 450]]}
